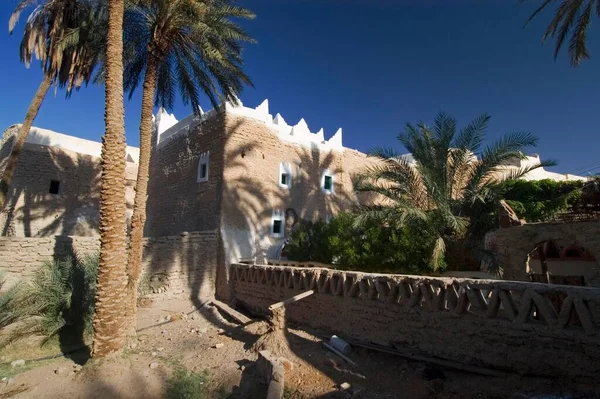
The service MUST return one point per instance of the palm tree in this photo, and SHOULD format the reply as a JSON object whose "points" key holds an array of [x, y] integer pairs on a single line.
{"points": [[64, 64], [444, 181], [108, 324], [190, 46], [572, 17]]}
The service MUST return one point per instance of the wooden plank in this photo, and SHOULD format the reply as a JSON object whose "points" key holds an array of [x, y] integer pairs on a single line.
{"points": [[234, 314], [293, 299]]}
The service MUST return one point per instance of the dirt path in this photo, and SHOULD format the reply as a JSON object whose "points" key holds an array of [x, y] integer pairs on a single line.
{"points": [[174, 334]]}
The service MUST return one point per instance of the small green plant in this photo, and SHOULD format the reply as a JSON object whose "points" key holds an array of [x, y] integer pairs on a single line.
{"points": [[185, 384], [9, 301], [58, 301]]}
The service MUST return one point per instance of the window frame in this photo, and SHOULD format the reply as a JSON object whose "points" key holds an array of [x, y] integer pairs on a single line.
{"points": [[285, 168], [203, 161], [277, 216], [327, 174], [54, 183]]}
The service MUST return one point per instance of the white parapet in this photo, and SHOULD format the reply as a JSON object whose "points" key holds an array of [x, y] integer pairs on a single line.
{"points": [[51, 138], [167, 125]]}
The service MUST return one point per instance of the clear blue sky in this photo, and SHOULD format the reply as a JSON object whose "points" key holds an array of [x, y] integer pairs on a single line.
{"points": [[370, 67]]}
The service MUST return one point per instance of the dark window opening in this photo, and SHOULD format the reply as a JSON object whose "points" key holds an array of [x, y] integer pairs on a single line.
{"points": [[572, 253], [203, 171], [54, 186], [328, 183], [276, 226], [284, 179], [551, 251]]}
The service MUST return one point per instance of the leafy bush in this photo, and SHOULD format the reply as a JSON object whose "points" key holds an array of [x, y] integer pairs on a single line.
{"points": [[371, 247], [187, 385], [59, 300], [542, 200]]}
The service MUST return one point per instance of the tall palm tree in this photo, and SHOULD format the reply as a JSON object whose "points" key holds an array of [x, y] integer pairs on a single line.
{"points": [[64, 64], [572, 17], [444, 180], [190, 46], [111, 293]]}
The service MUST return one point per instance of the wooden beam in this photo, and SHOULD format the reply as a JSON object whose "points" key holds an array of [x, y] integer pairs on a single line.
{"points": [[293, 299], [234, 314], [340, 354]]}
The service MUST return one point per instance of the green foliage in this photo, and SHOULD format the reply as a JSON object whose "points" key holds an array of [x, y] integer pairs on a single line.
{"points": [[9, 302], [542, 200], [58, 301], [369, 247], [186, 385], [195, 45], [67, 36], [442, 185], [572, 18]]}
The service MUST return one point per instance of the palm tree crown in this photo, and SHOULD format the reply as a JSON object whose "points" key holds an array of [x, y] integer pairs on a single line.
{"points": [[196, 45], [66, 36], [572, 17], [442, 181]]}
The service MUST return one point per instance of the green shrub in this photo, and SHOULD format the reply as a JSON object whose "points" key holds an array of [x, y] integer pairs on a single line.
{"points": [[58, 301], [186, 385], [542, 200], [9, 302], [371, 247]]}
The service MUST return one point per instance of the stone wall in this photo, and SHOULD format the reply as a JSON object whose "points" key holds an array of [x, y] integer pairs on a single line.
{"points": [[21, 256], [176, 201], [252, 191], [184, 264], [524, 327], [513, 244]]}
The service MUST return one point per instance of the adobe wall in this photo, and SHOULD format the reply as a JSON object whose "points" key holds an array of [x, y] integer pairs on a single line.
{"points": [[184, 264], [251, 189], [176, 201], [32, 211], [513, 244], [481, 322]]}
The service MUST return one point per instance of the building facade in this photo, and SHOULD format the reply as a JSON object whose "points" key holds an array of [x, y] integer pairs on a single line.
{"points": [[240, 172]]}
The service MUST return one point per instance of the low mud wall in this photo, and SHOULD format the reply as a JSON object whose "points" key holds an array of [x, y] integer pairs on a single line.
{"points": [[524, 327], [179, 265]]}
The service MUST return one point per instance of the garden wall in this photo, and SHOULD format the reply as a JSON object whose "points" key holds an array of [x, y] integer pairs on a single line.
{"points": [[182, 264], [513, 245], [524, 327]]}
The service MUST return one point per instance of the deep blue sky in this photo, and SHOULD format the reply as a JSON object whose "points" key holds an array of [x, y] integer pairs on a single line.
{"points": [[370, 67]]}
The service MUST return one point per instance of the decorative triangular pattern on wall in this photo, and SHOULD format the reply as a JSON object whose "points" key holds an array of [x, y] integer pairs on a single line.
{"points": [[521, 303]]}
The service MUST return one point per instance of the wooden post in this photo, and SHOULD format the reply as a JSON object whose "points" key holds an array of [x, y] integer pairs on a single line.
{"points": [[293, 299]]}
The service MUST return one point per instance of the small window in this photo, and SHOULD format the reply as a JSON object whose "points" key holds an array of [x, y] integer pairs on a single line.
{"points": [[54, 186], [277, 223], [276, 226], [202, 168], [327, 182], [285, 175]]}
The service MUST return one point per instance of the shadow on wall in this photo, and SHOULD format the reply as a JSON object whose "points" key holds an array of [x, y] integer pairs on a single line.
{"points": [[252, 192], [238, 199], [54, 192]]}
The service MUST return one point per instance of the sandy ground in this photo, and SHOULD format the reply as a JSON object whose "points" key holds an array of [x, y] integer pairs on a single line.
{"points": [[175, 334]]}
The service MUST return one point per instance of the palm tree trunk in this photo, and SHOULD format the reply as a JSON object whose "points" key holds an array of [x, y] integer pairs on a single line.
{"points": [[111, 295], [32, 112], [138, 220]]}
